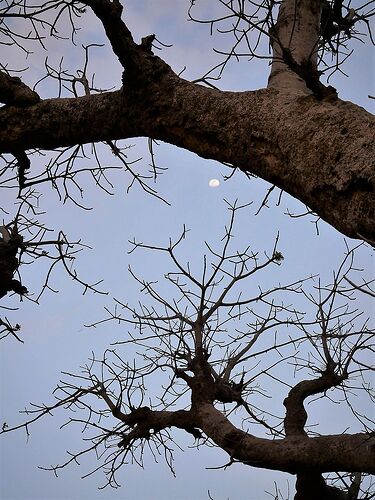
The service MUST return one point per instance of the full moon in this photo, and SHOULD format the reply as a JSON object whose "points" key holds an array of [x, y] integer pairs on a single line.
{"points": [[214, 183]]}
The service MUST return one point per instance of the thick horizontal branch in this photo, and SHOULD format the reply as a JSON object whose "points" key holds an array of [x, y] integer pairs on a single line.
{"points": [[343, 452], [144, 421], [321, 152], [295, 454]]}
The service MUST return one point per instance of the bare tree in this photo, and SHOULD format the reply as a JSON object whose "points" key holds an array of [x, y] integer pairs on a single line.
{"points": [[214, 347], [296, 133], [215, 342]]}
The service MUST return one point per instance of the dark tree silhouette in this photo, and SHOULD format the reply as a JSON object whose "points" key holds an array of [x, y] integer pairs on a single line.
{"points": [[212, 347]]}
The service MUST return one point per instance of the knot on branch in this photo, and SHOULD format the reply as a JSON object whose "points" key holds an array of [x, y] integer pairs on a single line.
{"points": [[144, 70], [141, 421], [228, 392], [138, 415], [23, 164], [10, 243], [146, 43], [14, 92], [145, 423]]}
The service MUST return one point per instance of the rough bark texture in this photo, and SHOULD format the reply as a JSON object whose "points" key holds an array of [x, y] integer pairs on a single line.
{"points": [[320, 151], [296, 454]]}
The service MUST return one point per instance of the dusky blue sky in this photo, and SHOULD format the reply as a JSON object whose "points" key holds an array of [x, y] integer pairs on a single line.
{"points": [[54, 333]]}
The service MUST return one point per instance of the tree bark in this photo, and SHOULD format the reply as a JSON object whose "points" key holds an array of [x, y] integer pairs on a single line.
{"points": [[296, 454], [320, 151], [296, 134]]}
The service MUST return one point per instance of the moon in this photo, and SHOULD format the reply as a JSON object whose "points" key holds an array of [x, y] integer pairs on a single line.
{"points": [[214, 183]]}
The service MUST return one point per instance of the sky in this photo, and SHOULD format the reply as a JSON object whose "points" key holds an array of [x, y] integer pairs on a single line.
{"points": [[54, 332]]}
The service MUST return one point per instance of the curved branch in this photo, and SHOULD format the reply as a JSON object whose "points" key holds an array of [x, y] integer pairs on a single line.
{"points": [[296, 415], [293, 141], [294, 454]]}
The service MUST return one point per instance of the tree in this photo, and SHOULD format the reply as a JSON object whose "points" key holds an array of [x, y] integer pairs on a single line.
{"points": [[258, 132], [213, 344], [270, 125]]}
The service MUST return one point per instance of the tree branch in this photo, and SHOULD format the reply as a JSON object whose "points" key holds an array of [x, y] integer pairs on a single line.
{"points": [[294, 454], [14, 92], [295, 45], [296, 415], [260, 132]]}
